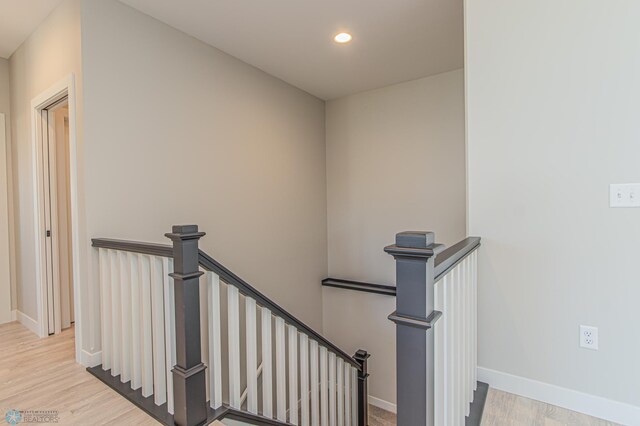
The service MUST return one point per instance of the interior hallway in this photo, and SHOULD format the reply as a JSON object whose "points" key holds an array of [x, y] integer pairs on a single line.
{"points": [[41, 374]]}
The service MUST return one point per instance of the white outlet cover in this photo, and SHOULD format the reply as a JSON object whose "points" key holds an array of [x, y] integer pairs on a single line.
{"points": [[624, 195], [589, 337]]}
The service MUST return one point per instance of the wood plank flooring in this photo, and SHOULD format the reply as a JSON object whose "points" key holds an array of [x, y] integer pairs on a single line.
{"points": [[41, 374], [506, 409]]}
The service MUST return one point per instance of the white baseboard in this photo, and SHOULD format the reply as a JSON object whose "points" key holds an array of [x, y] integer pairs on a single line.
{"points": [[592, 405], [89, 359], [381, 403], [28, 322], [14, 315]]}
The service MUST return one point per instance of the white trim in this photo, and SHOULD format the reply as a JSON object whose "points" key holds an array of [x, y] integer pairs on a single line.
{"points": [[91, 359], [28, 322], [385, 405], [591, 405], [14, 315], [65, 87]]}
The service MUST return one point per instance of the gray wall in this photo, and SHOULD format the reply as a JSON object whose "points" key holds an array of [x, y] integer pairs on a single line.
{"points": [[180, 132], [395, 162], [7, 289], [553, 100], [50, 54]]}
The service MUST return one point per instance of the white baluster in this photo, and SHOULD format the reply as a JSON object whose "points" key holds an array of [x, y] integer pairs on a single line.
{"points": [[460, 349], [315, 383], [460, 338], [450, 360], [252, 356], [354, 396], [203, 292], [454, 338], [125, 303], [340, 391], [439, 354], [136, 333], [304, 380], [347, 394], [474, 318], [116, 315], [169, 328], [469, 336], [293, 375], [215, 345], [281, 373], [233, 307], [105, 293], [157, 311], [463, 337], [332, 389], [324, 387], [267, 365], [147, 355]]}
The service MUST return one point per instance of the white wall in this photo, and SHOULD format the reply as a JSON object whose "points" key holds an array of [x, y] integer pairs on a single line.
{"points": [[395, 162], [553, 101], [50, 54], [180, 132]]}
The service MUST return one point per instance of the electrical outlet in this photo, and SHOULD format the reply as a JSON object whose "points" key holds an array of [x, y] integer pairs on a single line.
{"points": [[624, 195], [589, 337]]}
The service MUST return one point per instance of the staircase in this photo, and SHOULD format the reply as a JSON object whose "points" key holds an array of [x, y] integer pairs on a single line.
{"points": [[189, 342]]}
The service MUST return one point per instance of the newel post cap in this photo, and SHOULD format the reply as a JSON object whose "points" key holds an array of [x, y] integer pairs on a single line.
{"points": [[184, 232], [414, 244]]}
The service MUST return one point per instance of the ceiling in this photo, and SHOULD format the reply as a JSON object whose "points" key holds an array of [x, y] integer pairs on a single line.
{"points": [[393, 40], [18, 19]]}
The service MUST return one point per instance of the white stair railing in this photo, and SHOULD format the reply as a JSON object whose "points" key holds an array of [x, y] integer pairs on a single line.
{"points": [[138, 338], [436, 319], [256, 358], [456, 342]]}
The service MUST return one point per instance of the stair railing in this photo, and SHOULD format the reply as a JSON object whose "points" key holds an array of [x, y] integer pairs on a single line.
{"points": [[174, 343], [436, 330]]}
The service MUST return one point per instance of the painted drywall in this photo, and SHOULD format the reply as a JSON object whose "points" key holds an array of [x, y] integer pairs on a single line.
{"points": [[395, 162], [5, 108], [49, 55], [5, 276], [553, 96], [181, 132]]}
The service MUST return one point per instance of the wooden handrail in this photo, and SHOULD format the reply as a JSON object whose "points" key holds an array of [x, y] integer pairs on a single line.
{"points": [[447, 259]]}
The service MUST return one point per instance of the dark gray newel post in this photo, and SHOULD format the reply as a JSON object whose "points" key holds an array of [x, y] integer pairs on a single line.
{"points": [[414, 253], [361, 357], [189, 386]]}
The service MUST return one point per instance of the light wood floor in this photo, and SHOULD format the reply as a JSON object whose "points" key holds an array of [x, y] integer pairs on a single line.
{"points": [[41, 374], [506, 409]]}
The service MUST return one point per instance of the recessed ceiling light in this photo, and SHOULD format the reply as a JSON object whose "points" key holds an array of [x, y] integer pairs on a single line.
{"points": [[342, 38]]}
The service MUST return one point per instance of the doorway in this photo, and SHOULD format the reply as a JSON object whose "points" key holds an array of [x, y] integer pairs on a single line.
{"points": [[55, 210], [57, 215]]}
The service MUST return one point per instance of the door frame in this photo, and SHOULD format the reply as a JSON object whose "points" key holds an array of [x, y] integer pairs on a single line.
{"points": [[65, 87]]}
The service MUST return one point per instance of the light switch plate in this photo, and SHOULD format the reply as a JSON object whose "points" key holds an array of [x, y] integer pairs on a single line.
{"points": [[624, 195]]}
